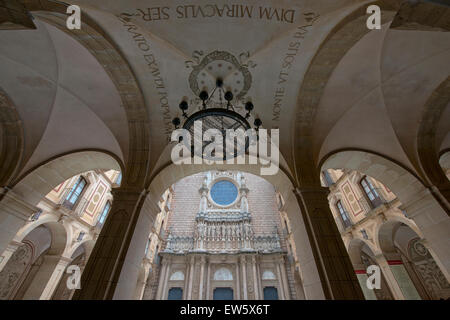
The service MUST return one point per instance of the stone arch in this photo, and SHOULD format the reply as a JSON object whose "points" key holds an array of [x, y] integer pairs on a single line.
{"points": [[172, 173], [355, 247], [61, 235], [36, 184], [49, 241], [395, 238], [97, 42], [11, 139], [444, 160], [333, 48], [383, 230], [418, 201], [15, 268], [427, 137], [20, 202], [87, 244], [362, 254]]}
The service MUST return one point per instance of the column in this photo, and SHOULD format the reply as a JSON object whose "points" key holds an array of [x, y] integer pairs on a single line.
{"points": [[47, 277], [186, 279], [14, 214], [284, 278], [162, 277], [191, 278], [166, 281], [202, 272], [362, 278], [434, 223], [255, 279], [101, 275], [280, 282], [208, 281], [244, 278], [10, 249], [336, 275], [238, 282], [261, 291], [389, 276], [55, 278], [402, 277]]}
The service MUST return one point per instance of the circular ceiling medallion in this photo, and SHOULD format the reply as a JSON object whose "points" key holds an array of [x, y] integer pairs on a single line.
{"points": [[223, 65], [224, 193]]}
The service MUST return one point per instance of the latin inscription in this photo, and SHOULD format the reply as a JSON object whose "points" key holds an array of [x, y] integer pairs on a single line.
{"points": [[215, 11], [287, 62], [145, 48]]}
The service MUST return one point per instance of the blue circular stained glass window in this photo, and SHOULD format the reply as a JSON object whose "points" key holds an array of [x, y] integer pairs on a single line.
{"points": [[224, 192]]}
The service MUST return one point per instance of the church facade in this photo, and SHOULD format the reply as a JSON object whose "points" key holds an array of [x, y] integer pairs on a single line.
{"points": [[346, 107], [224, 241]]}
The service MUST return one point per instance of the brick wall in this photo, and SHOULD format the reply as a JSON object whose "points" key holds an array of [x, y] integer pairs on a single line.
{"points": [[261, 198]]}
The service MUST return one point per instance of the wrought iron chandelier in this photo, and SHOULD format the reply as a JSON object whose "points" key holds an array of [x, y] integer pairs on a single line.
{"points": [[221, 116]]}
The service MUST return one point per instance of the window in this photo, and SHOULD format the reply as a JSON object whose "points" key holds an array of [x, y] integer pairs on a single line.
{"points": [[36, 215], [119, 178], [156, 256], [177, 276], [268, 275], [364, 234], [270, 293], [224, 192], [81, 236], [328, 179], [76, 192], [223, 274], [371, 193], [147, 246], [286, 226], [344, 215], [105, 211], [223, 294], [175, 294]]}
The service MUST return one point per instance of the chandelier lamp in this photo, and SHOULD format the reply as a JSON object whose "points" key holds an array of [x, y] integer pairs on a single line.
{"points": [[221, 116]]}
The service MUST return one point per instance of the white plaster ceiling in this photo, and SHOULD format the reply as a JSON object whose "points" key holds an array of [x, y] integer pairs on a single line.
{"points": [[63, 96], [372, 101]]}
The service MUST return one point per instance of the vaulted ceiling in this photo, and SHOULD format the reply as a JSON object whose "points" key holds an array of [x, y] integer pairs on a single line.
{"points": [[311, 68]]}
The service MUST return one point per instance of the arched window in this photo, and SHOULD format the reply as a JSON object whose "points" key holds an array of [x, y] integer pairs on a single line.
{"points": [[75, 193], [223, 274], [268, 275], [177, 276], [371, 193], [344, 215], [105, 212]]}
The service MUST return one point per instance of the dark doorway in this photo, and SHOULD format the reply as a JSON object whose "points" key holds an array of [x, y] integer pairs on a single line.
{"points": [[175, 294], [223, 294], [270, 293]]}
